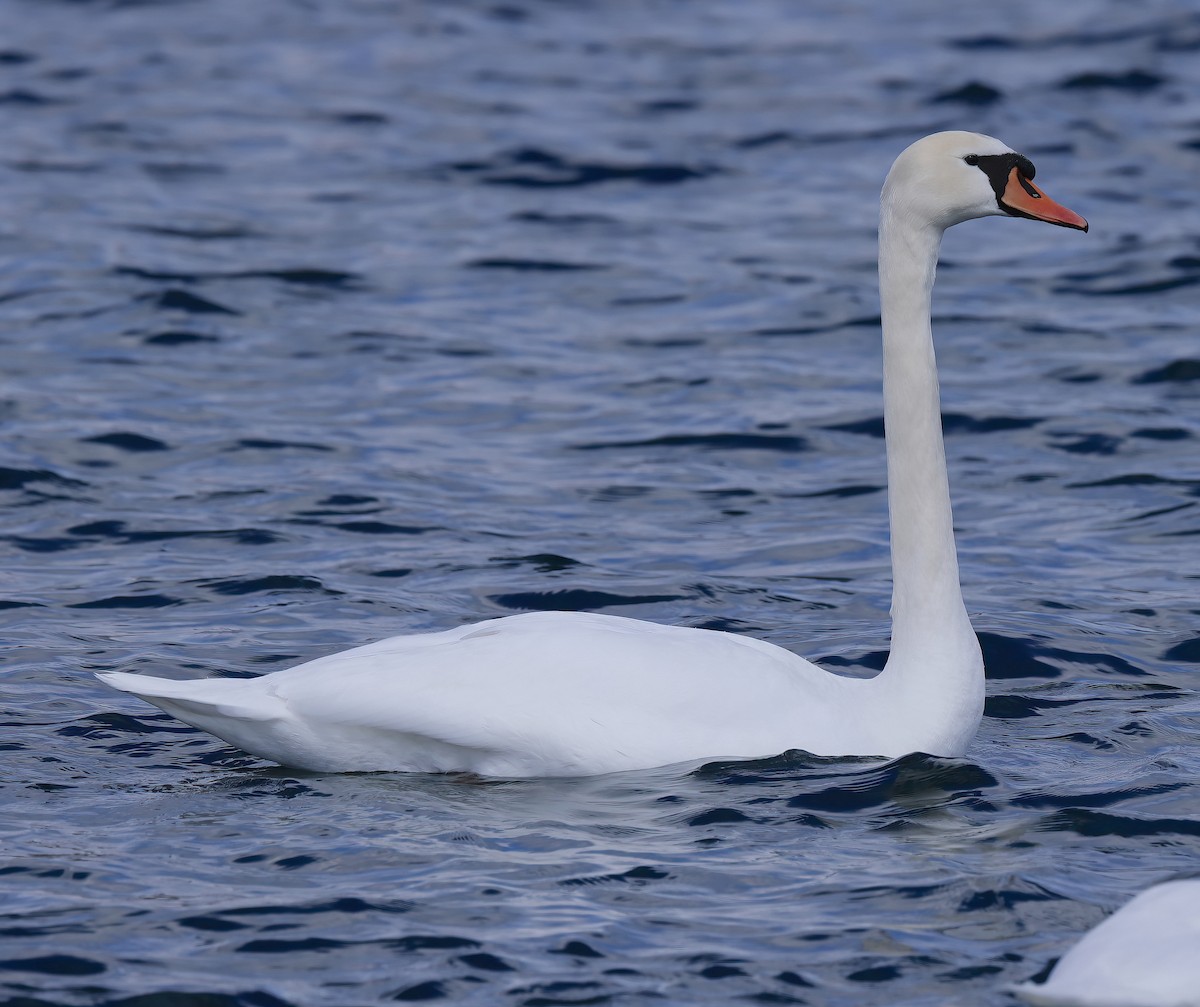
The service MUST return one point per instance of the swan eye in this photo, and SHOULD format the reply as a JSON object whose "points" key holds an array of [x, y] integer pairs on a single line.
{"points": [[972, 159]]}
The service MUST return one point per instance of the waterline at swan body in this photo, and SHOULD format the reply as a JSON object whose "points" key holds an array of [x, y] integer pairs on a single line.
{"points": [[560, 694]]}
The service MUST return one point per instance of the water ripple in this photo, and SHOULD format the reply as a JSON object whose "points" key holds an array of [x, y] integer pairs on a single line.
{"points": [[326, 322]]}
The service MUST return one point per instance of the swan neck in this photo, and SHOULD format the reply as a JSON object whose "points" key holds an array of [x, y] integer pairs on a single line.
{"points": [[927, 605]]}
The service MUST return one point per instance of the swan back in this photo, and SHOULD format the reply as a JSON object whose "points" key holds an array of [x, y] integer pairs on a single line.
{"points": [[1147, 954]]}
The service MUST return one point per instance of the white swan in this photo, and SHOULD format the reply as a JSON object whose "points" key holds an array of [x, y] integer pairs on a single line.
{"points": [[564, 694], [1147, 954]]}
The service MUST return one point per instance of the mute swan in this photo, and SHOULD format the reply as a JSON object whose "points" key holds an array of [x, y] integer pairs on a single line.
{"points": [[567, 694], [1147, 954]]}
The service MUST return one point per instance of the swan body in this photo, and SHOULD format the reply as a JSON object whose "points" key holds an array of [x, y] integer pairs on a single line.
{"points": [[547, 694], [563, 694], [1147, 954]]}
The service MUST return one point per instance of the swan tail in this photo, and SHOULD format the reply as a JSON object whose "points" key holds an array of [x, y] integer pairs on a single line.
{"points": [[197, 700]]}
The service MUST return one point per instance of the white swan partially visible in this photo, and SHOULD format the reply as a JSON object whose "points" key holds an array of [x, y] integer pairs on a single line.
{"points": [[1147, 954], [564, 694]]}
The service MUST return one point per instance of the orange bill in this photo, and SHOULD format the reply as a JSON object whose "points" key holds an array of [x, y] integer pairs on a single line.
{"points": [[1024, 199]]}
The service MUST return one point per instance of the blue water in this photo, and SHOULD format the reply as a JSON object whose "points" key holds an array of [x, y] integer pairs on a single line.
{"points": [[322, 322]]}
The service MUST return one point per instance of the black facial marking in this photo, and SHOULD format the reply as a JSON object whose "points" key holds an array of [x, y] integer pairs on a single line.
{"points": [[998, 167]]}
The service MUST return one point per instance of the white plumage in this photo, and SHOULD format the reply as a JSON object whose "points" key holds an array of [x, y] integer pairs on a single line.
{"points": [[556, 693], [1147, 954]]}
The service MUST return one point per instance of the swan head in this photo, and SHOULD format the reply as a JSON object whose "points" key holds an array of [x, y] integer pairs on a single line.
{"points": [[946, 178]]}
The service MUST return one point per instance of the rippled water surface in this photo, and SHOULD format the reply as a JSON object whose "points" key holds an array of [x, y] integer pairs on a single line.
{"points": [[326, 321]]}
